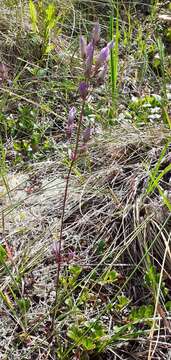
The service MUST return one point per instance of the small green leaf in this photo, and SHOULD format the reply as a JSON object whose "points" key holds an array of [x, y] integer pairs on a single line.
{"points": [[142, 313], [85, 296], [49, 48], [3, 254], [149, 310], [109, 277], [97, 330], [88, 344], [74, 333], [151, 276], [75, 269], [100, 246], [123, 301], [24, 305], [168, 306], [69, 302]]}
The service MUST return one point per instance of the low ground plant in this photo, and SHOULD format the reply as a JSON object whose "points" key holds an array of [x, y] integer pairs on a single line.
{"points": [[84, 180]]}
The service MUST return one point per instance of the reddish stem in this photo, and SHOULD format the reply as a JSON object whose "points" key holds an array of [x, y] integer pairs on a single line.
{"points": [[63, 210]]}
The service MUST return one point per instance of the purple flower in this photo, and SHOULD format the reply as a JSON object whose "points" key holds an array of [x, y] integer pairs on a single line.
{"points": [[89, 59], [89, 50], [83, 47], [70, 123], [83, 90], [96, 33], [111, 44], [104, 54], [69, 130], [71, 116]]}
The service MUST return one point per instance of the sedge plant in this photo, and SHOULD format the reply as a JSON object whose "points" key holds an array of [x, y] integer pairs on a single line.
{"points": [[95, 66]]}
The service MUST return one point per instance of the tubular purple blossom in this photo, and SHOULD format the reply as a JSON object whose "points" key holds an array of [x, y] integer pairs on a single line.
{"points": [[103, 57], [83, 90], [111, 44], [83, 47], [71, 116], [89, 50], [89, 59], [96, 33], [69, 130], [70, 123]]}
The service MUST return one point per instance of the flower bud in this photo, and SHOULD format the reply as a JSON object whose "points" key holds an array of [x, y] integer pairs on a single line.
{"points": [[103, 57], [83, 47], [96, 33], [70, 123], [104, 54], [83, 90], [111, 44], [89, 50], [89, 59], [71, 116], [72, 154], [69, 130]]}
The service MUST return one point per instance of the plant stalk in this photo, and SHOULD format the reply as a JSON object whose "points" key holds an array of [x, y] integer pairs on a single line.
{"points": [[73, 160]]}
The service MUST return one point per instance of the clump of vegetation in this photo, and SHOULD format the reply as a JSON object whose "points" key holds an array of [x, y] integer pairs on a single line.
{"points": [[85, 180]]}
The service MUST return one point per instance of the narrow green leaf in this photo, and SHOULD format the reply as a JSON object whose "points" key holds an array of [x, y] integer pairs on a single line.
{"points": [[3, 254], [33, 15]]}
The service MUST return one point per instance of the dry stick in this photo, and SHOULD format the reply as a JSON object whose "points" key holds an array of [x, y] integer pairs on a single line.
{"points": [[63, 212]]}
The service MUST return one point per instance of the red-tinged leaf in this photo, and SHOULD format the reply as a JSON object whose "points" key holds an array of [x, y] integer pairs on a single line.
{"points": [[9, 251]]}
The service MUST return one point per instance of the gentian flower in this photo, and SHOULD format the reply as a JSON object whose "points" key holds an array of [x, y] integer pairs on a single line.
{"points": [[71, 116], [89, 51], [83, 90], [96, 34], [69, 130], [111, 44], [70, 123], [104, 54], [83, 47], [89, 58]]}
